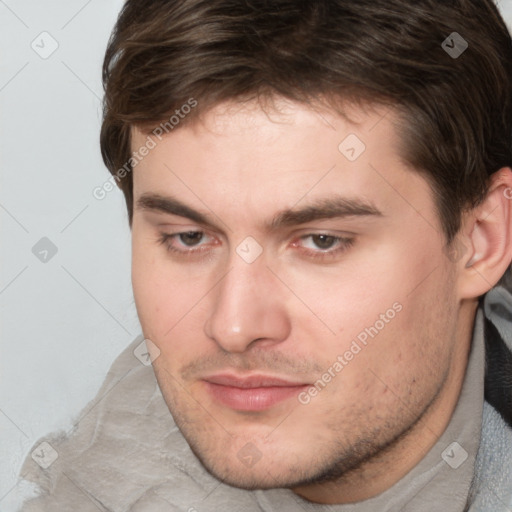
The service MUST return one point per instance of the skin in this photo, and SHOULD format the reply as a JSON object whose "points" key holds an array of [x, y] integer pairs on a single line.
{"points": [[296, 308]]}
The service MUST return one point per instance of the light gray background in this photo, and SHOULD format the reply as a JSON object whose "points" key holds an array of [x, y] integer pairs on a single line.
{"points": [[64, 320]]}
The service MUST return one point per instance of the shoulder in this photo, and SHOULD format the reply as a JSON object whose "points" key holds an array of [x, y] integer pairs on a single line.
{"points": [[497, 305], [493, 468], [492, 487], [114, 452]]}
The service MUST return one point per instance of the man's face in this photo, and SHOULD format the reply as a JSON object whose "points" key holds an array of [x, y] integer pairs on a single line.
{"points": [[252, 303]]}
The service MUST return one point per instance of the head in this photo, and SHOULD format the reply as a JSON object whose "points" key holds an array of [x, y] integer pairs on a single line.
{"points": [[318, 192]]}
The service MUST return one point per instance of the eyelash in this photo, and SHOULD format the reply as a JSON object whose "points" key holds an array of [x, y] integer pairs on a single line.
{"points": [[343, 243]]}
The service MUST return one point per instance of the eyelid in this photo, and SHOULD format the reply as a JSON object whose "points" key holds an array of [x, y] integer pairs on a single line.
{"points": [[342, 243], [164, 238]]}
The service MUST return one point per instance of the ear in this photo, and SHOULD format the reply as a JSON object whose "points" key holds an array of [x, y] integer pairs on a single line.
{"points": [[486, 236]]}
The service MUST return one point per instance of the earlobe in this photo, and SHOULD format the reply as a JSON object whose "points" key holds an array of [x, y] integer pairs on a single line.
{"points": [[488, 236]]}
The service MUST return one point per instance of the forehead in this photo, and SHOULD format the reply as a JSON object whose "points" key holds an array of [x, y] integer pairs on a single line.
{"points": [[244, 158]]}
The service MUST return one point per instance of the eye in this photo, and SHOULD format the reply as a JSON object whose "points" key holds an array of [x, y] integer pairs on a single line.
{"points": [[322, 241], [190, 238], [184, 242], [323, 245]]}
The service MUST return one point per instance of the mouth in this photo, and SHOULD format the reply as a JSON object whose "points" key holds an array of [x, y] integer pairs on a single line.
{"points": [[251, 393]]}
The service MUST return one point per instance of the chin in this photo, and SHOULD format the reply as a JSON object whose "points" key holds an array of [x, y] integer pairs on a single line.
{"points": [[248, 469]]}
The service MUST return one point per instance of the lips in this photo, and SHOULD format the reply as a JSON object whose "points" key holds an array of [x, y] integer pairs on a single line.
{"points": [[251, 393]]}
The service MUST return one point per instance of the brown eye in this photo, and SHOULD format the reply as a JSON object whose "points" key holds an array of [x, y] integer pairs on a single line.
{"points": [[323, 247], [323, 241], [188, 243], [191, 238]]}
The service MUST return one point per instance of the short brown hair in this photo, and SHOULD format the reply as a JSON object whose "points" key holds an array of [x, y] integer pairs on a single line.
{"points": [[456, 109]]}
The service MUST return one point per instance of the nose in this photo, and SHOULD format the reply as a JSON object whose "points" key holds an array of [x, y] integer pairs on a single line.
{"points": [[248, 307]]}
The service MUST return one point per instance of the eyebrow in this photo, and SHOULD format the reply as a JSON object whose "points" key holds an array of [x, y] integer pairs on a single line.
{"points": [[325, 208]]}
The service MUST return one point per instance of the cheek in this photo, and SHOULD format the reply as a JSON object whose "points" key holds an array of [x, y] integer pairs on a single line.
{"points": [[346, 300], [144, 278], [414, 352], [152, 286], [395, 321], [170, 300]]}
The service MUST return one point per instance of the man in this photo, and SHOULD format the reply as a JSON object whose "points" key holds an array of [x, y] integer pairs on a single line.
{"points": [[319, 195]]}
